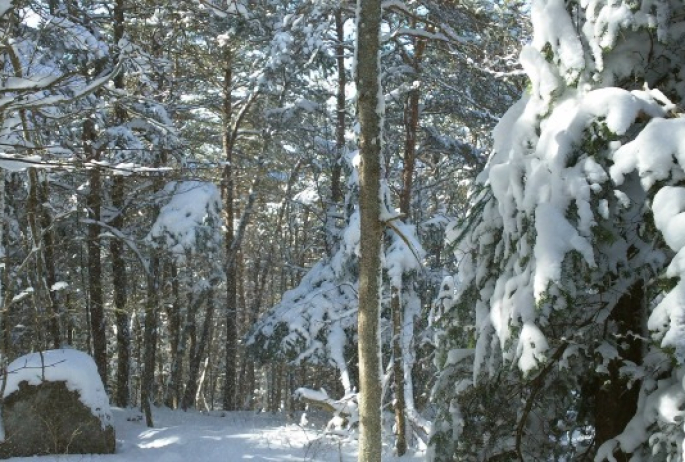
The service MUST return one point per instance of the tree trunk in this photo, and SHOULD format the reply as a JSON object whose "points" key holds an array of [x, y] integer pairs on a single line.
{"points": [[137, 353], [120, 282], [615, 403], [5, 290], [4, 280], [150, 341], [336, 169], [194, 304], [411, 124], [189, 342], [398, 372], [230, 379], [370, 120], [152, 302], [50, 272], [116, 247], [177, 343], [198, 354], [336, 188], [244, 390], [93, 202], [38, 277]]}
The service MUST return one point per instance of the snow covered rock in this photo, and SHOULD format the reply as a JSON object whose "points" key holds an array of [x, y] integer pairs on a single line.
{"points": [[55, 403]]}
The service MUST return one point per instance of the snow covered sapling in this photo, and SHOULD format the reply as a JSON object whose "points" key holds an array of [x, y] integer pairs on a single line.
{"points": [[315, 323]]}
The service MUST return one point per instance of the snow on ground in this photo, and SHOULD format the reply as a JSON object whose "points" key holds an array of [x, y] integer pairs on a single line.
{"points": [[221, 437]]}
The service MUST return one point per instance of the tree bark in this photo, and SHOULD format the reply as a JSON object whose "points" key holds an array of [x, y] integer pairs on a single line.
{"points": [[38, 277], [336, 168], [150, 340], [398, 372], [370, 120], [411, 125], [116, 247], [93, 202], [177, 346], [120, 282], [4, 280], [50, 271], [230, 379], [198, 354], [336, 188], [152, 303]]}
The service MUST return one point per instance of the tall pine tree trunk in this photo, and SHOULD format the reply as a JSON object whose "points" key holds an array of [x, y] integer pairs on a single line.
{"points": [[93, 202], [370, 120], [174, 316], [4, 315], [52, 295], [152, 301], [150, 340], [38, 277], [120, 282], [336, 169], [4, 279], [230, 379], [411, 124], [199, 354], [116, 248], [398, 371]]}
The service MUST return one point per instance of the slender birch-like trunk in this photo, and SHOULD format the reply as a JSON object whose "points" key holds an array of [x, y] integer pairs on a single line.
{"points": [[370, 120]]}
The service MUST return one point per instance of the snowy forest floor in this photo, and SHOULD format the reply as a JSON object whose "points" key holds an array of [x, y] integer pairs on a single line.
{"points": [[223, 437]]}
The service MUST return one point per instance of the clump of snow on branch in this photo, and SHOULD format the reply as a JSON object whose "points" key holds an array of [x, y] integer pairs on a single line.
{"points": [[190, 220], [404, 254]]}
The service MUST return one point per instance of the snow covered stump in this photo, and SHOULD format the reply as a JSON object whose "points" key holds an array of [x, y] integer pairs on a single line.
{"points": [[55, 403]]}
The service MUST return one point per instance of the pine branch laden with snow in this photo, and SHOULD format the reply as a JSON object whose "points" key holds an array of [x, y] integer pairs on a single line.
{"points": [[190, 222], [581, 200]]}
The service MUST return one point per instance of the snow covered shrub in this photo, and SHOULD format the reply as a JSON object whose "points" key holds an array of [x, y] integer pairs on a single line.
{"points": [[571, 262]]}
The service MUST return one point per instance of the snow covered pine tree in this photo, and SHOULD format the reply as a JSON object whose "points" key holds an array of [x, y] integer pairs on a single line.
{"points": [[572, 260]]}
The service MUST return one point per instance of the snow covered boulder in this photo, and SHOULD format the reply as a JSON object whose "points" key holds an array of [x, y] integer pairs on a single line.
{"points": [[55, 403]]}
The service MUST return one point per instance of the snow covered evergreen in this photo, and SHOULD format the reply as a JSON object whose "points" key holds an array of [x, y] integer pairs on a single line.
{"points": [[566, 322], [316, 322]]}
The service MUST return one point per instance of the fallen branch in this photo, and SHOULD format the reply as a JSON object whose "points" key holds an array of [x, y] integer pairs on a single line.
{"points": [[345, 411]]}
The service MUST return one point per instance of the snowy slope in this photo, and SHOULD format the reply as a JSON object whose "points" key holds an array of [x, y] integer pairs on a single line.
{"points": [[235, 436]]}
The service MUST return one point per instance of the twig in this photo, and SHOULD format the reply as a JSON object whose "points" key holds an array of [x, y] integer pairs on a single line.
{"points": [[536, 386]]}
